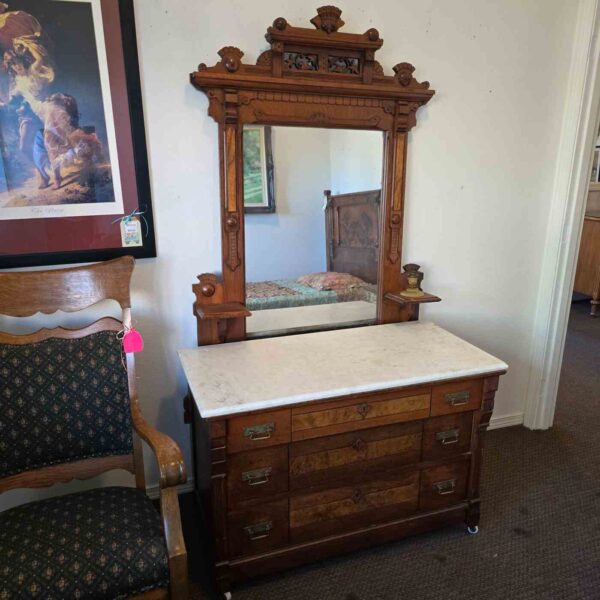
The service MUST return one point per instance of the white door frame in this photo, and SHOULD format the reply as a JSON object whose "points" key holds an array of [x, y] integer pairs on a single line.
{"points": [[579, 130]]}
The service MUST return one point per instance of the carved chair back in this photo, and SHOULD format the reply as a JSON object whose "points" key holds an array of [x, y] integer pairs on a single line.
{"points": [[67, 396]]}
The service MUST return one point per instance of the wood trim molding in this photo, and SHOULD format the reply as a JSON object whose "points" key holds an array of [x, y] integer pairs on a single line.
{"points": [[23, 294], [317, 77], [104, 324], [579, 130], [61, 473]]}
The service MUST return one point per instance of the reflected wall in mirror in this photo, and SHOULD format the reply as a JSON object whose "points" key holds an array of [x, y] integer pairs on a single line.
{"points": [[258, 170], [312, 264]]}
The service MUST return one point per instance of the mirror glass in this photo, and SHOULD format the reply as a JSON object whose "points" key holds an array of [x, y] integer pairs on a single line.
{"points": [[312, 212]]}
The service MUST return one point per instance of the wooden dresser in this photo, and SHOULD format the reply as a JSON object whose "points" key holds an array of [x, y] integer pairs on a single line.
{"points": [[587, 276], [312, 445]]}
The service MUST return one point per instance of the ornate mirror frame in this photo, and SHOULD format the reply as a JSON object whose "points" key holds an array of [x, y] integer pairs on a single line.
{"points": [[315, 78]]}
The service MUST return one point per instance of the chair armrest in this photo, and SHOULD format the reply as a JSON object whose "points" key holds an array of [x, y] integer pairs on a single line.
{"points": [[171, 518], [167, 452]]}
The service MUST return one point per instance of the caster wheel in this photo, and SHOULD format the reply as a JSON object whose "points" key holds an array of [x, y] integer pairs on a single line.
{"points": [[473, 530]]}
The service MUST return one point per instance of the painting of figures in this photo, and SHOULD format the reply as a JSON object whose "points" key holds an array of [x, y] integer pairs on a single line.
{"points": [[258, 169], [57, 141]]}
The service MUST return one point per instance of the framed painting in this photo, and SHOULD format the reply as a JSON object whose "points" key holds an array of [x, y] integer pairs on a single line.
{"points": [[259, 196], [74, 182]]}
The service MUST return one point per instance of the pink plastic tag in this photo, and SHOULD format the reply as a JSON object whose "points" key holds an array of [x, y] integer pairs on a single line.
{"points": [[133, 341]]}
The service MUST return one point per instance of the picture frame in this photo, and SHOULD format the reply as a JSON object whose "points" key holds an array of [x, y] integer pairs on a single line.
{"points": [[259, 193], [74, 187]]}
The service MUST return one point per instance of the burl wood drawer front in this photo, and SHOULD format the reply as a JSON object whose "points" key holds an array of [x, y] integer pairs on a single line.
{"points": [[459, 396], [352, 507], [349, 455], [257, 474], [447, 436], [359, 413], [258, 430], [258, 529], [443, 485]]}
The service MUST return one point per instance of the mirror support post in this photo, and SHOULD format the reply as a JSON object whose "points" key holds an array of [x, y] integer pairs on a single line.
{"points": [[392, 223], [232, 206]]}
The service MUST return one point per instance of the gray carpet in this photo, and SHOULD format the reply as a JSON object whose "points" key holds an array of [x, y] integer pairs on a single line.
{"points": [[540, 528]]}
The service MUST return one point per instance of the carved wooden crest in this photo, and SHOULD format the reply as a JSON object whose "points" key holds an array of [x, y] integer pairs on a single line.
{"points": [[331, 77]]}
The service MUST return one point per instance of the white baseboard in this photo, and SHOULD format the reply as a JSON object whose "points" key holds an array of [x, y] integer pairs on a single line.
{"points": [[506, 421], [153, 491]]}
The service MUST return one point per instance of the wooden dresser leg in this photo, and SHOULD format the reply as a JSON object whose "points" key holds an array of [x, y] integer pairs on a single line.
{"points": [[217, 432], [480, 425], [222, 580], [473, 514]]}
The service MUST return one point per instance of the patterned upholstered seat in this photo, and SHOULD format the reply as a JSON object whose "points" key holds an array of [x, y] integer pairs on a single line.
{"points": [[103, 543]]}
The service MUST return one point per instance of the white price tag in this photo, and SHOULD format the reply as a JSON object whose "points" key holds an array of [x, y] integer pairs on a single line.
{"points": [[131, 232]]}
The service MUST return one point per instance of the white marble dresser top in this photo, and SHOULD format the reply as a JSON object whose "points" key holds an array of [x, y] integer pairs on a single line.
{"points": [[260, 374]]}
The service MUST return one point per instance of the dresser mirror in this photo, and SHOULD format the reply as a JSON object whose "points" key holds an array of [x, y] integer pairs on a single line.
{"points": [[313, 140], [312, 198]]}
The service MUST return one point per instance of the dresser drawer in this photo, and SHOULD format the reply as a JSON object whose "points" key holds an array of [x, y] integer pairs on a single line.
{"points": [[348, 508], [447, 436], [443, 485], [257, 474], [350, 455], [459, 396], [258, 529], [258, 430], [359, 413]]}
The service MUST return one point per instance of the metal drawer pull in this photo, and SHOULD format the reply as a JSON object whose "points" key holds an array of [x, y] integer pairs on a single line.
{"points": [[258, 476], [363, 409], [448, 437], [260, 531], [458, 398], [358, 496], [443, 488], [358, 445], [259, 432]]}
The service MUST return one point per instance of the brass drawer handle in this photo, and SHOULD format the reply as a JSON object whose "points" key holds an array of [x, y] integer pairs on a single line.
{"points": [[458, 398], [448, 437], [258, 476], [443, 488], [358, 496], [358, 444], [363, 409], [259, 531], [259, 432]]}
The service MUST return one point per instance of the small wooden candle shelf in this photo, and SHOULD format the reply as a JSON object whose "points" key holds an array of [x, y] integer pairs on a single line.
{"points": [[400, 299], [228, 310]]}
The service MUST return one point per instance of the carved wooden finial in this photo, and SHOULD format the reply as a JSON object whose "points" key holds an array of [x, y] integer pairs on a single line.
{"points": [[373, 34], [404, 73], [328, 19], [280, 23], [208, 284], [404, 76], [231, 57]]}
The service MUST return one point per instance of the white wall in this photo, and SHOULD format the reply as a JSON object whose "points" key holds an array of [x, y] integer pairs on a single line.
{"points": [[307, 161], [356, 160], [481, 164], [291, 241]]}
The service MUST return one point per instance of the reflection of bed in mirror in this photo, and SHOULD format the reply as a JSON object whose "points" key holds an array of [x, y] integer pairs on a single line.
{"points": [[349, 286], [351, 239]]}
